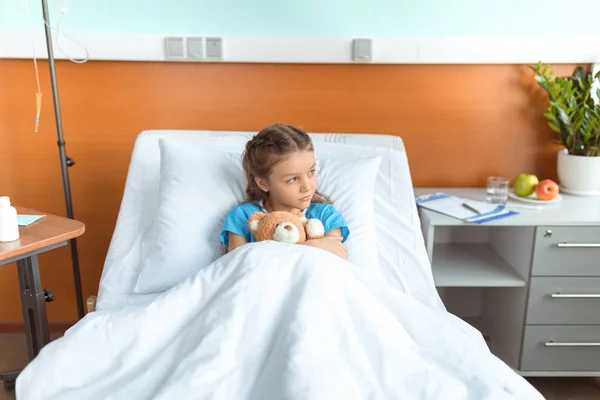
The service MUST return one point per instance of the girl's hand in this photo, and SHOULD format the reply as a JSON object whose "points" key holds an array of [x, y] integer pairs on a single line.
{"points": [[333, 244]]}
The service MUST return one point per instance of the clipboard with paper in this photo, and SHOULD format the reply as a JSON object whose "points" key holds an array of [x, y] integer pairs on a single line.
{"points": [[473, 211]]}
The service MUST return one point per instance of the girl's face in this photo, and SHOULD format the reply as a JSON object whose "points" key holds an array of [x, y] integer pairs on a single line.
{"points": [[292, 183]]}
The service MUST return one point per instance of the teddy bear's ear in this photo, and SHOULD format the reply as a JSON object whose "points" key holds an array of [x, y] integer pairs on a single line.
{"points": [[254, 220]]}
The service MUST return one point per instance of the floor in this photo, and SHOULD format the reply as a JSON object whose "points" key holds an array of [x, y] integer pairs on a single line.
{"points": [[13, 355]]}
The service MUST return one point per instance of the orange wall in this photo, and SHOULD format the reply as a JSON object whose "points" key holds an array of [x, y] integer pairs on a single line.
{"points": [[460, 124]]}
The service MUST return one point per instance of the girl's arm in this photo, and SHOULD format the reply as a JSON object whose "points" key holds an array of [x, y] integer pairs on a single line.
{"points": [[332, 242], [334, 233], [235, 241]]}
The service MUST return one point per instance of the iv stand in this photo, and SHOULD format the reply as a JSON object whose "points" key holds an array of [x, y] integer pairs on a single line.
{"points": [[65, 161]]}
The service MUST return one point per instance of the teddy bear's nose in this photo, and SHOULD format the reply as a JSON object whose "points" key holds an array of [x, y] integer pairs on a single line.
{"points": [[287, 228]]}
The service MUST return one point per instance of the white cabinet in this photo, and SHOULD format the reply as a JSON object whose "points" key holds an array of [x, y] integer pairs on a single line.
{"points": [[530, 283]]}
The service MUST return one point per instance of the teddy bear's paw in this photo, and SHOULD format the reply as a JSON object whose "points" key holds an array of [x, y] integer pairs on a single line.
{"points": [[315, 228]]}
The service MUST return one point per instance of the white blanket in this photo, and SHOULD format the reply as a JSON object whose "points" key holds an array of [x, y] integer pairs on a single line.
{"points": [[273, 321]]}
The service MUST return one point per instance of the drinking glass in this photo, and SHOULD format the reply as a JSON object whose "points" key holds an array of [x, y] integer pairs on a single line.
{"points": [[497, 189]]}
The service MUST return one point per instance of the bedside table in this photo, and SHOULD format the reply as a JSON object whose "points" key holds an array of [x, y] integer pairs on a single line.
{"points": [[530, 283], [43, 235]]}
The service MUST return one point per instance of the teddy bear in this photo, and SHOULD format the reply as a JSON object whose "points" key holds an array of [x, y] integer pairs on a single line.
{"points": [[284, 226]]}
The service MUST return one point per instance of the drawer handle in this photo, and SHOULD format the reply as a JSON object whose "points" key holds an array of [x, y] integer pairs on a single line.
{"points": [[574, 296], [572, 344], [578, 245]]}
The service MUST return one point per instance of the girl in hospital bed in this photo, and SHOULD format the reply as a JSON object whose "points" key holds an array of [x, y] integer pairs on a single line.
{"points": [[279, 163]]}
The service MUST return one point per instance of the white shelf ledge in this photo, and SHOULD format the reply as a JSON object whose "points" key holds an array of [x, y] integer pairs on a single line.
{"points": [[472, 265], [315, 49]]}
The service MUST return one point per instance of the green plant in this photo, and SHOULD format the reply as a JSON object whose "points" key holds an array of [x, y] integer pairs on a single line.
{"points": [[573, 112]]}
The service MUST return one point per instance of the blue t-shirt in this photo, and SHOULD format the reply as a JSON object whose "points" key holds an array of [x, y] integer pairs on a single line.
{"points": [[237, 220]]}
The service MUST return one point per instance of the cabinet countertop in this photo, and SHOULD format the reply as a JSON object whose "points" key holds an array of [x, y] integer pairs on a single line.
{"points": [[571, 211]]}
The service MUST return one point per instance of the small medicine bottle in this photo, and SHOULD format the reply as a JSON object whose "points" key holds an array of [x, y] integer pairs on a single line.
{"points": [[9, 225]]}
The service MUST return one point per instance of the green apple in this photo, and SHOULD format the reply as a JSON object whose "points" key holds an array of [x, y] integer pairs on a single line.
{"points": [[524, 184]]}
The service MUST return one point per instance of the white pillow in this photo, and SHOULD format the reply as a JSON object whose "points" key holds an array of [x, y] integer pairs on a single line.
{"points": [[350, 184], [199, 186]]}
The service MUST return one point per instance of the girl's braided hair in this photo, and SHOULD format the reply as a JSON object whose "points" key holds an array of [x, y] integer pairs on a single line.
{"points": [[266, 149]]}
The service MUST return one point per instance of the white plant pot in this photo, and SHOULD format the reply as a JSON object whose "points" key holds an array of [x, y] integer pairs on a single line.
{"points": [[578, 175]]}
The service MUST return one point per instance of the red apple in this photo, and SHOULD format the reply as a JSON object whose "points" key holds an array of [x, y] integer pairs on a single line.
{"points": [[546, 190]]}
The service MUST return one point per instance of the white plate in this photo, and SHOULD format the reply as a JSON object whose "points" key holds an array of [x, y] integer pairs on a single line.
{"points": [[533, 199]]}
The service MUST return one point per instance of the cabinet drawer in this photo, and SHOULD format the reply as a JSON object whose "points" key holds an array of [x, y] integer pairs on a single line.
{"points": [[564, 301], [561, 348], [567, 251]]}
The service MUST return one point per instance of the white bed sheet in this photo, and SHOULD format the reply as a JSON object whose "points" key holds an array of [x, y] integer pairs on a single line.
{"points": [[273, 321]]}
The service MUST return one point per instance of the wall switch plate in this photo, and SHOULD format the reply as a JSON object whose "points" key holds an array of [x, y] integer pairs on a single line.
{"points": [[174, 48], [195, 47], [362, 50], [214, 48]]}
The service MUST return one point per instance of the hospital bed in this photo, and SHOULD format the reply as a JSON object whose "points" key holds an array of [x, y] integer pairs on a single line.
{"points": [[400, 244], [428, 336]]}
